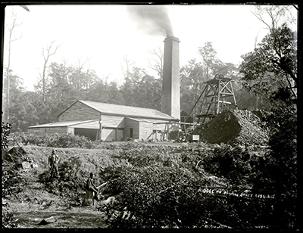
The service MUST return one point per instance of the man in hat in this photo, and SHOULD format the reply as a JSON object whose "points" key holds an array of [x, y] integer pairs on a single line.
{"points": [[53, 161]]}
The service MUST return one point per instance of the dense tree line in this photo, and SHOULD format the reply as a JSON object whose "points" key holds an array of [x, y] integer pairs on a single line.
{"points": [[60, 85], [66, 84]]}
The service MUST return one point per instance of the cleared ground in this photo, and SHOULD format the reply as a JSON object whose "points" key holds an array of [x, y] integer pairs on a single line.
{"points": [[35, 202]]}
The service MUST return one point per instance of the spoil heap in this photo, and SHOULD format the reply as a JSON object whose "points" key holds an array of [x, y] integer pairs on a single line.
{"points": [[236, 126]]}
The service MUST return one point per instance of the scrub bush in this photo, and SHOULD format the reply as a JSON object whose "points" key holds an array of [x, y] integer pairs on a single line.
{"points": [[56, 140], [172, 197], [229, 162], [5, 131], [69, 183]]}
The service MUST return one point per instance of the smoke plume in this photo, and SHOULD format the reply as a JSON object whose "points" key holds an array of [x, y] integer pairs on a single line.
{"points": [[152, 19]]}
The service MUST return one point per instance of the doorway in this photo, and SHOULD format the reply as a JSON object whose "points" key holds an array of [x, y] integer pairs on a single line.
{"points": [[89, 133]]}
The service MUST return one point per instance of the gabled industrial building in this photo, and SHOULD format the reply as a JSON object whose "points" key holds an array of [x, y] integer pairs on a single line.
{"points": [[112, 122]]}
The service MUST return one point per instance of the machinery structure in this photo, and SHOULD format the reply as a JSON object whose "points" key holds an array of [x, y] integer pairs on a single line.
{"points": [[217, 95]]}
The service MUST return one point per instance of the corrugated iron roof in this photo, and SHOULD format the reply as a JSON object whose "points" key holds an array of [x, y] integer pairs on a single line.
{"points": [[60, 124], [140, 119], [123, 110], [91, 124], [95, 125]]}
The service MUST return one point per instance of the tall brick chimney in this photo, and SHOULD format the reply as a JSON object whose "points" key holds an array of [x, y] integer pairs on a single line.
{"points": [[170, 101]]}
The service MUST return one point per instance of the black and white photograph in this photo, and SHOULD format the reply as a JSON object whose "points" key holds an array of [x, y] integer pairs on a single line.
{"points": [[150, 116]]}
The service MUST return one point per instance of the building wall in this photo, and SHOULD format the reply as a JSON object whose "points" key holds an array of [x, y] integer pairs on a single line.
{"points": [[108, 134], [110, 125], [114, 128], [112, 134], [145, 130], [79, 112], [71, 130], [120, 134], [129, 123], [88, 133]]}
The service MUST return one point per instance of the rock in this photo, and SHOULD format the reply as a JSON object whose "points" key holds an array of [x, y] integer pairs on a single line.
{"points": [[18, 163], [7, 157], [34, 165], [26, 165], [17, 151], [4, 202], [49, 220]]}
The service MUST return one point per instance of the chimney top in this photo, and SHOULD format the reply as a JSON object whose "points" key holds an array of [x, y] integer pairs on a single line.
{"points": [[172, 38]]}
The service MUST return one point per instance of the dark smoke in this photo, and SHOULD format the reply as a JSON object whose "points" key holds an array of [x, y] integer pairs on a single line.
{"points": [[152, 19]]}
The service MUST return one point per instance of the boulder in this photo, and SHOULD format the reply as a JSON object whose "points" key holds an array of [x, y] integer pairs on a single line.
{"points": [[34, 165], [26, 165]]}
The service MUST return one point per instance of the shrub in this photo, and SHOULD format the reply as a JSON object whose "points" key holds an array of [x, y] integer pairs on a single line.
{"points": [[278, 170], [70, 182], [158, 196], [152, 194], [145, 156], [67, 141], [56, 140], [11, 179], [9, 220], [5, 131], [229, 162]]}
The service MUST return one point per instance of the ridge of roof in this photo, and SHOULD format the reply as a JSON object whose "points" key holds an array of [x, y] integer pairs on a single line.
{"points": [[118, 109], [61, 124], [89, 101]]}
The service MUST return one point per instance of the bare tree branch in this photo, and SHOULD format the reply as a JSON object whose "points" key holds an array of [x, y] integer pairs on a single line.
{"points": [[47, 53], [11, 31], [128, 64], [158, 65], [275, 14], [259, 17]]}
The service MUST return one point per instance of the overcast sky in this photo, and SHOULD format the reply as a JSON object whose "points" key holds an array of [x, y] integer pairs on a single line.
{"points": [[100, 36]]}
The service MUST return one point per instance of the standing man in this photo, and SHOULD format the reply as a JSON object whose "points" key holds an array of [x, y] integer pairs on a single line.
{"points": [[53, 161], [91, 187]]}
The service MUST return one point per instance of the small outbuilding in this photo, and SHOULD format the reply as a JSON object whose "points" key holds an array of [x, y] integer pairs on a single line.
{"points": [[109, 122]]}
